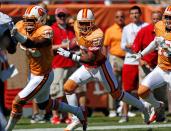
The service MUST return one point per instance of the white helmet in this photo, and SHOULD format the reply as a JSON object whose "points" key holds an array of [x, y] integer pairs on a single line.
{"points": [[86, 20], [167, 11], [34, 17], [167, 17]]}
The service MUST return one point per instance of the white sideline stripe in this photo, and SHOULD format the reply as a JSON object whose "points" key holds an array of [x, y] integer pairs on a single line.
{"points": [[102, 127]]}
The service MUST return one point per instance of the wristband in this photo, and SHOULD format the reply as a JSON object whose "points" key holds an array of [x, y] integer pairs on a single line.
{"points": [[75, 57], [20, 38]]}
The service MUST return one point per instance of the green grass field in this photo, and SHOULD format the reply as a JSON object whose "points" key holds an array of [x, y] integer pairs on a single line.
{"points": [[97, 120]]}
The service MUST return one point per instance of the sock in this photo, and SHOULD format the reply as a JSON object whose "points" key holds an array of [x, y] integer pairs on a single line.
{"points": [[131, 100], [72, 100], [146, 104], [14, 118], [150, 98], [63, 107], [3, 121]]}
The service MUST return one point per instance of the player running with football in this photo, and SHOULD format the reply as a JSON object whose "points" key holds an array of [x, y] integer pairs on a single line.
{"points": [[95, 64]]}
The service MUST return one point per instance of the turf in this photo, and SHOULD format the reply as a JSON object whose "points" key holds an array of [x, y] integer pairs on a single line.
{"points": [[96, 120]]}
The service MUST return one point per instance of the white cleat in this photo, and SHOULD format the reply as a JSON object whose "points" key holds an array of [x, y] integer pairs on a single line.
{"points": [[79, 122], [131, 114], [73, 125], [112, 114], [155, 112]]}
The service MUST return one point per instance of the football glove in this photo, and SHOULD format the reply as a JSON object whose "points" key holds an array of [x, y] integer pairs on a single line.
{"points": [[68, 54]]}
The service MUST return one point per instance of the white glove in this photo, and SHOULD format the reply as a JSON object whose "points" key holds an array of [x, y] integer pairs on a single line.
{"points": [[63, 52], [19, 37], [159, 39], [68, 54]]}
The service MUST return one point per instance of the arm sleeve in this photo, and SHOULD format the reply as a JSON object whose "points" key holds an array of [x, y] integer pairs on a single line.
{"points": [[124, 40], [136, 47], [37, 43], [150, 47]]}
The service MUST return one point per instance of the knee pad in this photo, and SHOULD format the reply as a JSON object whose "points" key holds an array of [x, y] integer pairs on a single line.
{"points": [[70, 86], [43, 105], [17, 105], [143, 91], [117, 94]]}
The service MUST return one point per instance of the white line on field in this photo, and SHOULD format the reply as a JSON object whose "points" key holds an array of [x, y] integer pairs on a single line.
{"points": [[101, 127]]}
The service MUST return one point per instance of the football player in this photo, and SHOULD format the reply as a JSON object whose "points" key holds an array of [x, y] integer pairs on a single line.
{"points": [[36, 39], [95, 64], [162, 72], [7, 44]]}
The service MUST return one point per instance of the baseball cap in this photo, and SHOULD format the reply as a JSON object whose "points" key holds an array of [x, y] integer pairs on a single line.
{"points": [[61, 10]]}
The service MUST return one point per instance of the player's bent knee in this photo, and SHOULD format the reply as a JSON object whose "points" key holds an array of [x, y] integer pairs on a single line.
{"points": [[143, 91], [18, 104], [43, 105], [70, 86], [117, 94]]}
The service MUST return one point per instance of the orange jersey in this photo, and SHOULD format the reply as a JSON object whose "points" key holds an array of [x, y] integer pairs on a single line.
{"points": [[39, 58], [91, 42], [164, 49]]}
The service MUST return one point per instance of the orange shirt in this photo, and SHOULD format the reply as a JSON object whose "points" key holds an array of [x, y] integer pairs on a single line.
{"points": [[164, 55], [113, 40], [39, 58]]}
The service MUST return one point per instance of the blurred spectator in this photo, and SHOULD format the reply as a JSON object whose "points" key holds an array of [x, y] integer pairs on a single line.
{"points": [[130, 67], [62, 66], [149, 61], [70, 22], [107, 2], [116, 54]]}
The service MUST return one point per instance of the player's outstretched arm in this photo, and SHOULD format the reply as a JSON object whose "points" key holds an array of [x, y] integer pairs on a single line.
{"points": [[87, 58], [152, 46], [26, 42]]}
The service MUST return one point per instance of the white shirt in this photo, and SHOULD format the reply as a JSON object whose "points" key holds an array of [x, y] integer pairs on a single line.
{"points": [[128, 35]]}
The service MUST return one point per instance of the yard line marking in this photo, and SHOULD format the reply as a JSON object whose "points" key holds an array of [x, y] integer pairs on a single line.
{"points": [[102, 127]]}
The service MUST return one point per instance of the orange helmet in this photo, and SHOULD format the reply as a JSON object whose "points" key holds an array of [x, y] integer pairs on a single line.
{"points": [[86, 20], [34, 17]]}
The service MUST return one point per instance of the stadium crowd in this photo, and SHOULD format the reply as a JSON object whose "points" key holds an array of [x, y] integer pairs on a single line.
{"points": [[131, 61]]}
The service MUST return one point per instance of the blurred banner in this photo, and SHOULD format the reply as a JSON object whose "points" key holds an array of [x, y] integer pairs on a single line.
{"points": [[104, 14]]}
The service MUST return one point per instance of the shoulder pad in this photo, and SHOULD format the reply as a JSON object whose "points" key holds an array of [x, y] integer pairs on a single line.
{"points": [[96, 37], [19, 25], [159, 28], [45, 32]]}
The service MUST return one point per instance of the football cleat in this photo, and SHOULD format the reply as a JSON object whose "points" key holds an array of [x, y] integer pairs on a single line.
{"points": [[73, 125], [155, 113]]}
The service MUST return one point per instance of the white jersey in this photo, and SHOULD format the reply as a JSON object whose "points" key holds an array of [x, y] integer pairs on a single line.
{"points": [[129, 33]]}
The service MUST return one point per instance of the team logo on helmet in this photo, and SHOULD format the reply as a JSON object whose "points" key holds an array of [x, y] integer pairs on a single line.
{"points": [[167, 11], [34, 17]]}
